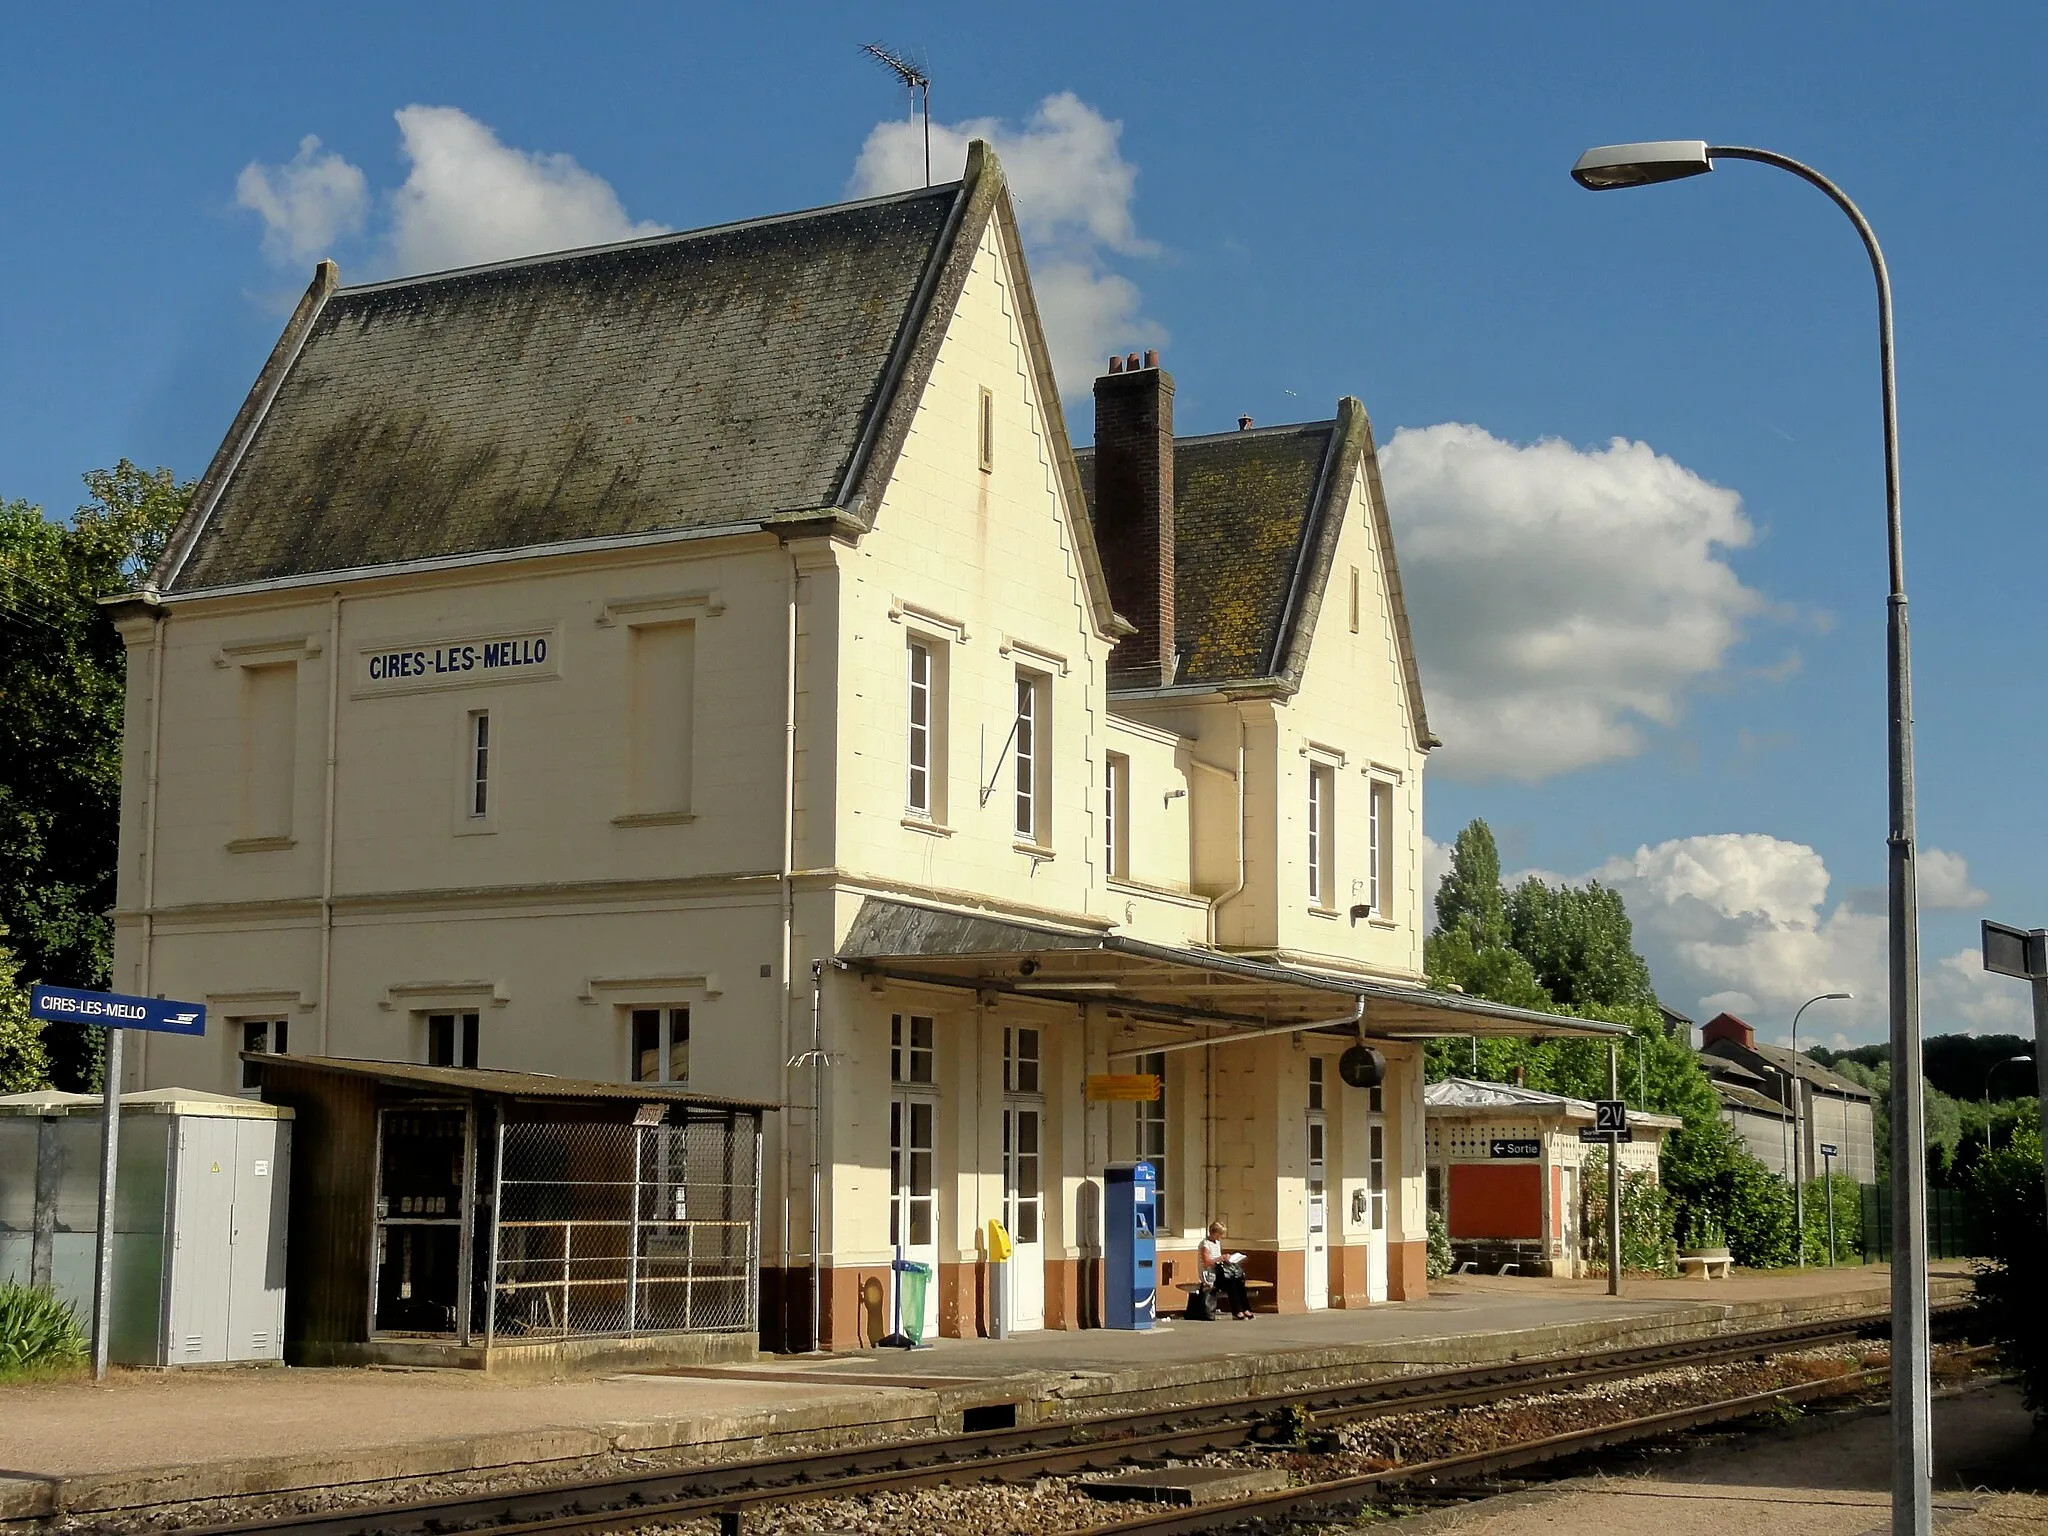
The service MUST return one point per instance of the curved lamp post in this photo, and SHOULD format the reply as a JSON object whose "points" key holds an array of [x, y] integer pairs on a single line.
{"points": [[1797, 1162], [1639, 165]]}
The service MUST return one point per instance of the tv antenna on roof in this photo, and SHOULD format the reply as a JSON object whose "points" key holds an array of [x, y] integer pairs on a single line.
{"points": [[920, 85]]}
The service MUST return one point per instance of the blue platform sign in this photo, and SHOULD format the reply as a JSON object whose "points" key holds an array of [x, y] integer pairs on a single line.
{"points": [[112, 1010]]}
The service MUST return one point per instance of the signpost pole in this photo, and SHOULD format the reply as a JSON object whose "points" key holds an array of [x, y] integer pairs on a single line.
{"points": [[103, 1250], [1827, 1182], [1613, 1181]]}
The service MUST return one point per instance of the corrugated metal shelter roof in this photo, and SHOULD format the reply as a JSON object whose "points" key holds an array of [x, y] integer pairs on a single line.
{"points": [[511, 1085], [1466, 1096], [986, 952], [163, 1101]]}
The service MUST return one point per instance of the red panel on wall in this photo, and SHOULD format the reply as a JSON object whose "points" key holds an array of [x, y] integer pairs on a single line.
{"points": [[1496, 1200], [1556, 1201]]}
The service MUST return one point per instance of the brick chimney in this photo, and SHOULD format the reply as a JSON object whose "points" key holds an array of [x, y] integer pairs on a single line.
{"points": [[1725, 1026], [1134, 512]]}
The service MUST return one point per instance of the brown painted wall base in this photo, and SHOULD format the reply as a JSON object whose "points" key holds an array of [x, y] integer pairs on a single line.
{"points": [[1347, 1276], [1408, 1270], [1063, 1293]]}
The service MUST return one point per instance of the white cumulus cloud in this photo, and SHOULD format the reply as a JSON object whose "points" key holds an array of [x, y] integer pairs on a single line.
{"points": [[306, 204], [1074, 192], [1563, 598], [469, 198], [1945, 884], [1741, 922]]}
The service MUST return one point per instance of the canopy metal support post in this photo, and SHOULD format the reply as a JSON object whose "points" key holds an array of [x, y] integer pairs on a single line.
{"points": [[1613, 1180]]}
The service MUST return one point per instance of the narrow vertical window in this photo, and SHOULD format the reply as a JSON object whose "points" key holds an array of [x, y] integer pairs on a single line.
{"points": [[1025, 750], [269, 742], [1151, 1127], [987, 431], [663, 704], [661, 1045], [1321, 838], [912, 1042], [480, 763], [918, 792], [1315, 1082], [1354, 599], [1020, 1059], [1380, 856], [1116, 816]]}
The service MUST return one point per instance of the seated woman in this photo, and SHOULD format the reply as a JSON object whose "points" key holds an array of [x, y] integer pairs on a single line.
{"points": [[1223, 1273]]}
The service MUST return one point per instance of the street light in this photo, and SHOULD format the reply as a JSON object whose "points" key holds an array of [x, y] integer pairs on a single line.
{"points": [[2003, 1061], [1798, 1159], [1637, 165]]}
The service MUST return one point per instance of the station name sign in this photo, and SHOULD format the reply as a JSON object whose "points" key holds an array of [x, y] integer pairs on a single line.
{"points": [[115, 1010], [408, 665]]}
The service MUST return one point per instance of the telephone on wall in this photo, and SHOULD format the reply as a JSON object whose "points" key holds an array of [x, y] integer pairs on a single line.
{"points": [[1358, 1207]]}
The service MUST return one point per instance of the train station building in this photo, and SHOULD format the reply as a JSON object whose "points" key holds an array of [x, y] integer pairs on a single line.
{"points": [[706, 661]]}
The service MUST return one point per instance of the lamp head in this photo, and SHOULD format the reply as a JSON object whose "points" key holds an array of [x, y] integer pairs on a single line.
{"points": [[1641, 165]]}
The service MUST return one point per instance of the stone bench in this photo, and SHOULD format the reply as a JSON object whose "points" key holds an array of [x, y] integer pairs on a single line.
{"points": [[1711, 1266]]}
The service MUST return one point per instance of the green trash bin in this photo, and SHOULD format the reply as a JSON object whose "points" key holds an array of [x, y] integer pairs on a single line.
{"points": [[911, 1280]]}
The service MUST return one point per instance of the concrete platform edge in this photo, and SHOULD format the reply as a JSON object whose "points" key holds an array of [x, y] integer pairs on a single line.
{"points": [[898, 1412]]}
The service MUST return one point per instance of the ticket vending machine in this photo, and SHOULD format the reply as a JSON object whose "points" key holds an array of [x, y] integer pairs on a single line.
{"points": [[1130, 1240]]}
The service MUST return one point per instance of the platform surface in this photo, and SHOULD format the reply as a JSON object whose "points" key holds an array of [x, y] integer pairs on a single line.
{"points": [[150, 1436]]}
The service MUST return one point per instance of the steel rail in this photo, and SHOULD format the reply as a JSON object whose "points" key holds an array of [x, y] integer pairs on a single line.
{"points": [[1020, 1452]]}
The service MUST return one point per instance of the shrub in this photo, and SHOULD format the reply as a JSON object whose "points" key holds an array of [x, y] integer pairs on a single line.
{"points": [[38, 1332], [2007, 1187], [1757, 1215], [1439, 1263], [1848, 1198], [1647, 1246]]}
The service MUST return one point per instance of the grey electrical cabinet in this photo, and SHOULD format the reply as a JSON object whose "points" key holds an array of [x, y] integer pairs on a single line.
{"points": [[199, 1218]]}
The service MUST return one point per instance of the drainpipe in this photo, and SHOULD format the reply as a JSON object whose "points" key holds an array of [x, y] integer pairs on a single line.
{"points": [[817, 1149], [782, 979], [327, 851], [156, 736], [1216, 903]]}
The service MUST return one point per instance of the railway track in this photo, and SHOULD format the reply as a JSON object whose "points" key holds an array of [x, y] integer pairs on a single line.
{"points": [[735, 1491]]}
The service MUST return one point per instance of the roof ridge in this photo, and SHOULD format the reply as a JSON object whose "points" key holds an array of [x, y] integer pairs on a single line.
{"points": [[666, 237]]}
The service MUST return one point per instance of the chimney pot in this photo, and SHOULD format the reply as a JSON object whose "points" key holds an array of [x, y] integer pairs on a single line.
{"points": [[1244, 423], [1116, 365], [1151, 357], [1131, 363]]}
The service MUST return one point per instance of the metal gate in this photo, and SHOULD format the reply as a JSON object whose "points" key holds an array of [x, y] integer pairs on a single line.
{"points": [[1950, 1227], [625, 1229]]}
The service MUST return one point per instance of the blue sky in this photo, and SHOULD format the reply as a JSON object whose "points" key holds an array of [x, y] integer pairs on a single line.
{"points": [[1368, 200]]}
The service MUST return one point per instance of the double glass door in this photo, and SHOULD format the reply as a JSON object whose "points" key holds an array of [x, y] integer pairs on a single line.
{"points": [[913, 1190]]}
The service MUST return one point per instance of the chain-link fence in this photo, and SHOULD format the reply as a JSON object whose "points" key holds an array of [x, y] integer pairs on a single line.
{"points": [[623, 1229]]}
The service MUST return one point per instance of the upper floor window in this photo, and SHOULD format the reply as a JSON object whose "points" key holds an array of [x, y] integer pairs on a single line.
{"points": [[661, 1045], [1322, 840], [1379, 819], [912, 1046], [1031, 749], [986, 431], [479, 796], [1116, 816], [451, 1039], [664, 661], [918, 792], [269, 742]]}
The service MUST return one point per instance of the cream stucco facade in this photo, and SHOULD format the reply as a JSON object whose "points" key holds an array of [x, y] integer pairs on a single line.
{"points": [[567, 789]]}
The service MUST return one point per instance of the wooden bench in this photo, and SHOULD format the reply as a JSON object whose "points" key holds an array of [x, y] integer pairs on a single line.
{"points": [[1710, 1266]]}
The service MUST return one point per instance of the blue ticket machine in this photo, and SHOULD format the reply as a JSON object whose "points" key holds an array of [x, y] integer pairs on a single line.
{"points": [[1130, 1240]]}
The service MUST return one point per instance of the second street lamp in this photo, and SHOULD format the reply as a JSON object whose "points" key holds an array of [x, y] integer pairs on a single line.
{"points": [[1610, 168], [1800, 1161]]}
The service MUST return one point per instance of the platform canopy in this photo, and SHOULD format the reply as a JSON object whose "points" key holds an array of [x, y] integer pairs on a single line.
{"points": [[908, 942]]}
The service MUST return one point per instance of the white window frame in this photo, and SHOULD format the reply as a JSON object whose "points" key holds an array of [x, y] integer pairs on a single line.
{"points": [[917, 779], [465, 1031], [1317, 1083], [906, 1055], [477, 775], [1116, 815], [1030, 750], [1152, 1127], [1379, 855], [671, 1023], [1322, 836]]}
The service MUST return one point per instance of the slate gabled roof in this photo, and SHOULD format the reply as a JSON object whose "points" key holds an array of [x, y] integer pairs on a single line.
{"points": [[762, 373], [1257, 517]]}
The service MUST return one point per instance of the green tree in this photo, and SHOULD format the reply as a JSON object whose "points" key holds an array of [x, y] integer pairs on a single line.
{"points": [[24, 1064], [2006, 1191], [62, 685], [1470, 900], [1581, 944]]}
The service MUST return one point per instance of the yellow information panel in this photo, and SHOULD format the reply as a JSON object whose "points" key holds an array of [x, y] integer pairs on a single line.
{"points": [[1120, 1087]]}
